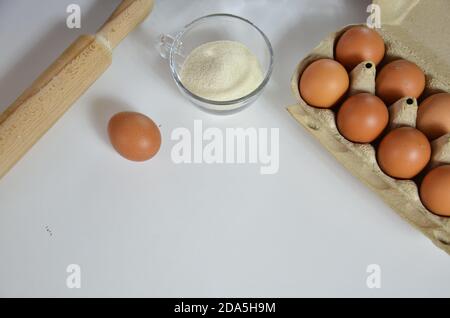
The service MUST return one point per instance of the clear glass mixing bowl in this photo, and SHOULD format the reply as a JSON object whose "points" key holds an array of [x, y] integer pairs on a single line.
{"points": [[217, 27]]}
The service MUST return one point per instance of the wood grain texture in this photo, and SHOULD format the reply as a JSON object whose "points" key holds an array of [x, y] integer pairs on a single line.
{"points": [[125, 19], [360, 159], [51, 95]]}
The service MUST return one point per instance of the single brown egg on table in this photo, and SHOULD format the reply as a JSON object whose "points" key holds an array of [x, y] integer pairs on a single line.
{"points": [[399, 79], [403, 153], [435, 190], [362, 118], [433, 116], [134, 136], [359, 44], [323, 83]]}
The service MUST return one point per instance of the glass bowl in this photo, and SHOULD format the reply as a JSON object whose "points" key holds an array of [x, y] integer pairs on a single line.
{"points": [[217, 27]]}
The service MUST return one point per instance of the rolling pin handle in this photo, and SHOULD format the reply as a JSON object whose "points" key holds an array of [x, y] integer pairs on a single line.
{"points": [[128, 15]]}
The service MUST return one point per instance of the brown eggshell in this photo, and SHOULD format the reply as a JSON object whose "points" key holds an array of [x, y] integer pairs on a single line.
{"points": [[134, 136], [404, 153], [359, 44], [399, 79], [323, 83], [435, 190], [362, 118], [433, 117]]}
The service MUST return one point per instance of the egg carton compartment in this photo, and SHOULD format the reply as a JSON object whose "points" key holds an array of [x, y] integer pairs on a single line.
{"points": [[360, 159]]}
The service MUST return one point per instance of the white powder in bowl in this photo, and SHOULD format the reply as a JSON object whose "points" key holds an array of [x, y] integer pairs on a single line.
{"points": [[221, 71]]}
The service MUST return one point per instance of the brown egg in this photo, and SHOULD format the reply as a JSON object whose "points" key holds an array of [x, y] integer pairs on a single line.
{"points": [[403, 153], [323, 83], [400, 79], [433, 117], [134, 136], [359, 44], [435, 190], [362, 118]]}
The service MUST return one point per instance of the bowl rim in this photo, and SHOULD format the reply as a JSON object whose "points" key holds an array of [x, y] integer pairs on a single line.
{"points": [[249, 96]]}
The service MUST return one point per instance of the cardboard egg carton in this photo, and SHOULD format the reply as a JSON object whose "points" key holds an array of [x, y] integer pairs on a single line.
{"points": [[412, 29]]}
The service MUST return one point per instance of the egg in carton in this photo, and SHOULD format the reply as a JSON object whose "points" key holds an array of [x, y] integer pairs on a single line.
{"points": [[360, 159]]}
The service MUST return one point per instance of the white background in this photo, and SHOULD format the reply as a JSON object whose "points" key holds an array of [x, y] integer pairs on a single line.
{"points": [[160, 229]]}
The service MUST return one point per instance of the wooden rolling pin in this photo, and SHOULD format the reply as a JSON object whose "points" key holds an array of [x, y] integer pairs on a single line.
{"points": [[51, 95]]}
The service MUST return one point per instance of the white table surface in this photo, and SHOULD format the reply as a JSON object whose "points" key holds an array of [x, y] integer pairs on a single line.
{"points": [[166, 230]]}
